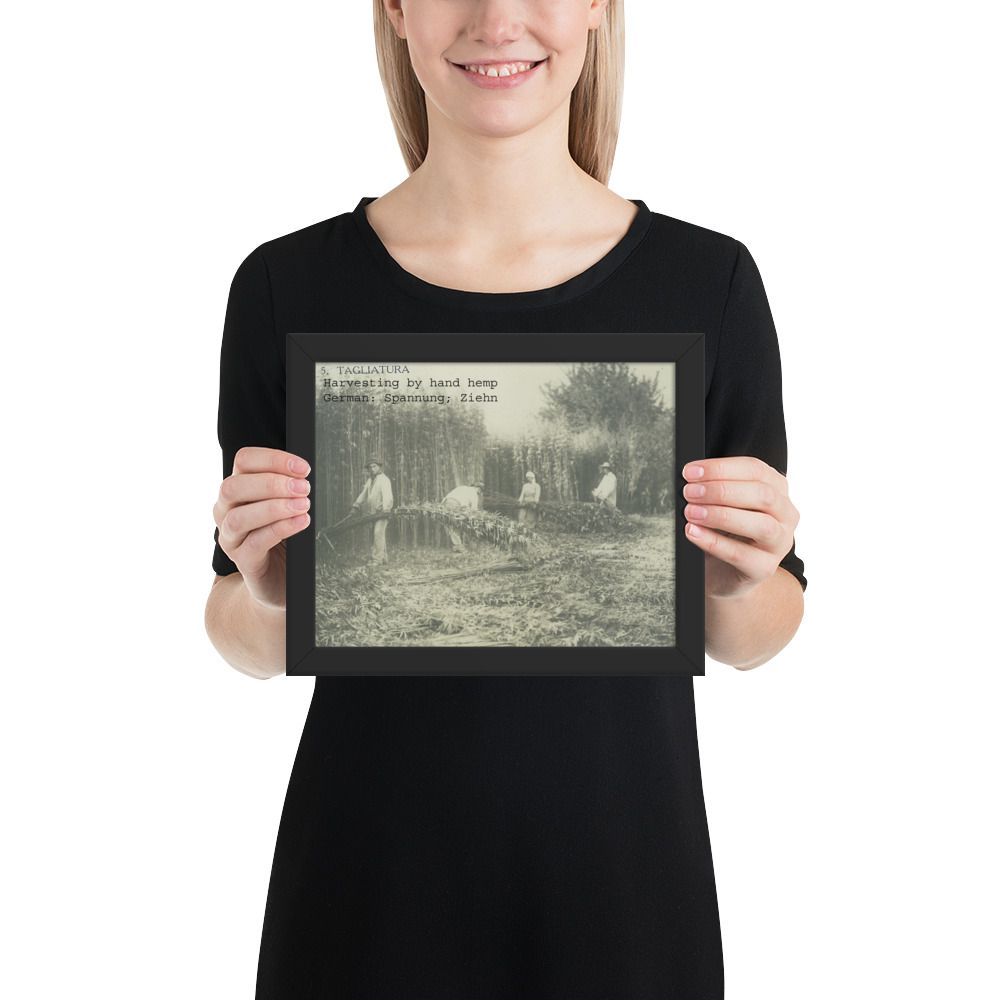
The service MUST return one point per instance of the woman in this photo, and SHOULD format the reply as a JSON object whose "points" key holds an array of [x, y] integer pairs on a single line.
{"points": [[531, 493], [501, 836]]}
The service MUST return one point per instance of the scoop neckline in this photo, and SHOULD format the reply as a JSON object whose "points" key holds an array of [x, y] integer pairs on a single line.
{"points": [[572, 287]]}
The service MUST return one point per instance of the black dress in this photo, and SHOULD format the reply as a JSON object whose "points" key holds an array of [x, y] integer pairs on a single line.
{"points": [[449, 838]]}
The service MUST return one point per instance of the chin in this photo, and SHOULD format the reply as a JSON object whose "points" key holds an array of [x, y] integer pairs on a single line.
{"points": [[503, 122]]}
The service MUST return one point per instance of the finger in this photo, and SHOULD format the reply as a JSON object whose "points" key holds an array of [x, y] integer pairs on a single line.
{"points": [[760, 529], [251, 459], [749, 494], [252, 555], [745, 467], [750, 560], [247, 517], [246, 487]]}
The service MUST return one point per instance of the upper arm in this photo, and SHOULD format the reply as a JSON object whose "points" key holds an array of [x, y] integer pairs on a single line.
{"points": [[744, 412], [251, 375]]}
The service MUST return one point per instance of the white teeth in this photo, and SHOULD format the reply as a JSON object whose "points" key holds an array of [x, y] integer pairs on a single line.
{"points": [[507, 69]]}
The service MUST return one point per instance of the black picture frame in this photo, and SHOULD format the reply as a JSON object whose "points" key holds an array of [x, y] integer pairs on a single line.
{"points": [[686, 657]]}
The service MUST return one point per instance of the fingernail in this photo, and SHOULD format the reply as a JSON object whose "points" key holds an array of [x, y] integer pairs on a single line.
{"points": [[299, 503], [297, 465], [300, 485], [694, 471], [694, 490], [695, 511], [695, 530]]}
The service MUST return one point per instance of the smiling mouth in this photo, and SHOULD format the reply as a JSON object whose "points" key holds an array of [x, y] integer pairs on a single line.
{"points": [[511, 68]]}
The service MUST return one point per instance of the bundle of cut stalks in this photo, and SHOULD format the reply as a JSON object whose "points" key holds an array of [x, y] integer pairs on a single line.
{"points": [[572, 516], [486, 525]]}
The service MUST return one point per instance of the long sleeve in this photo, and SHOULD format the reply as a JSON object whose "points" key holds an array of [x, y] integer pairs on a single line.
{"points": [[387, 498], [251, 376], [744, 414], [363, 493]]}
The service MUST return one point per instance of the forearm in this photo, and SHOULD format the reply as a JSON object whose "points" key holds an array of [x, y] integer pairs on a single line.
{"points": [[747, 631], [249, 637]]}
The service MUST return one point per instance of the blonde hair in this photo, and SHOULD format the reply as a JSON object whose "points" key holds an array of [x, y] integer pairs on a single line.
{"points": [[595, 105]]}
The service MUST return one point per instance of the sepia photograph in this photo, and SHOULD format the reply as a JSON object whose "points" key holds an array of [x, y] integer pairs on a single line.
{"points": [[495, 504], [500, 491]]}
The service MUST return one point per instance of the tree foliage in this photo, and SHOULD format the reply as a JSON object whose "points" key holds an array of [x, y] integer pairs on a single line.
{"points": [[618, 416], [609, 395]]}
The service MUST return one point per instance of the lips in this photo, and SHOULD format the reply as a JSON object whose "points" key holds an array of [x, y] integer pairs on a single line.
{"points": [[499, 75]]}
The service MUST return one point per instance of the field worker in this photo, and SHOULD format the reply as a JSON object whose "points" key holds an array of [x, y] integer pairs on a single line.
{"points": [[375, 498], [469, 497], [607, 489], [531, 493]]}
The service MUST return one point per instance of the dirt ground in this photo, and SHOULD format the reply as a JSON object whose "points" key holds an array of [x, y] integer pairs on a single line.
{"points": [[576, 590]]}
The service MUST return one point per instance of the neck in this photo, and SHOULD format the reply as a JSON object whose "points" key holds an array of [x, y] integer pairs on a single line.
{"points": [[527, 183]]}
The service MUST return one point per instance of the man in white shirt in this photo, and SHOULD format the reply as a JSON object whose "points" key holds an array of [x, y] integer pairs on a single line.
{"points": [[469, 497], [606, 492], [375, 498]]}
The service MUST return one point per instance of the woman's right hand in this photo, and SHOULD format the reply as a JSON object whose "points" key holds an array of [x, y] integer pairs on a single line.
{"points": [[262, 503]]}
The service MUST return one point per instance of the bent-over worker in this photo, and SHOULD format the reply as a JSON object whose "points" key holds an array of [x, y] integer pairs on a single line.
{"points": [[468, 497]]}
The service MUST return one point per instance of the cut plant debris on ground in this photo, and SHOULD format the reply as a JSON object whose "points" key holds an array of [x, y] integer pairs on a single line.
{"points": [[586, 577]]}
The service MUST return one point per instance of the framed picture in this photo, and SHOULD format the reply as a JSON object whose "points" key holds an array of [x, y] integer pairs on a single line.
{"points": [[495, 503]]}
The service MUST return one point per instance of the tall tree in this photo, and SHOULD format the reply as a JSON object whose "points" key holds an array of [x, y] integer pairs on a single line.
{"points": [[605, 395]]}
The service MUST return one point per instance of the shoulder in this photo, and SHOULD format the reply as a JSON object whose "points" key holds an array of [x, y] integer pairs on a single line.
{"points": [[707, 278], [312, 243], [703, 246]]}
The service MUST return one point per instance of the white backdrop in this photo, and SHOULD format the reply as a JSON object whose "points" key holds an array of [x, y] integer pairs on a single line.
{"points": [[850, 781]]}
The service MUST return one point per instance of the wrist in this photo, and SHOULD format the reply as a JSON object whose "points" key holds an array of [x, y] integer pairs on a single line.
{"points": [[262, 610], [743, 594]]}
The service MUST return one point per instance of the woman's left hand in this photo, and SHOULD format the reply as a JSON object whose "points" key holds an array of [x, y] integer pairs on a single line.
{"points": [[740, 515]]}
